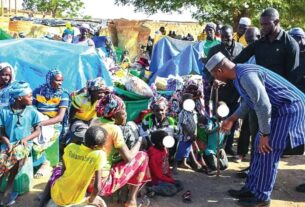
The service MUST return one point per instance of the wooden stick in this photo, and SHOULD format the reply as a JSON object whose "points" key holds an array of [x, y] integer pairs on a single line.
{"points": [[218, 135]]}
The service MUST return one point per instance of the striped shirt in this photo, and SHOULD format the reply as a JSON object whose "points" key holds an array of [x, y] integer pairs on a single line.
{"points": [[271, 96], [50, 107]]}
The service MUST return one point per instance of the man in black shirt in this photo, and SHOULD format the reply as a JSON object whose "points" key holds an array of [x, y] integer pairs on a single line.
{"points": [[299, 73], [276, 50], [228, 93], [299, 35], [229, 47]]}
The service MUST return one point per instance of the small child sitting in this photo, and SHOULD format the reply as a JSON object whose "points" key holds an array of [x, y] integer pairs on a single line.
{"points": [[68, 184], [162, 180], [210, 152]]}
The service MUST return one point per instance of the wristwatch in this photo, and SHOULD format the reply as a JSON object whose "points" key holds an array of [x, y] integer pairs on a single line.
{"points": [[265, 135]]}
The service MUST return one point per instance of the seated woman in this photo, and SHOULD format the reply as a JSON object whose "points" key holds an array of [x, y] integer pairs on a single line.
{"points": [[133, 170], [52, 101], [19, 125], [6, 78], [158, 119], [84, 102]]}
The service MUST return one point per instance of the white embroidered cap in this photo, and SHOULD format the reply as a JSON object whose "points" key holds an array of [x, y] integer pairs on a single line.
{"points": [[214, 61]]}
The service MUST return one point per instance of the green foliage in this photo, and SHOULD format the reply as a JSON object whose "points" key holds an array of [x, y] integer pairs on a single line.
{"points": [[227, 11], [87, 17], [57, 8]]}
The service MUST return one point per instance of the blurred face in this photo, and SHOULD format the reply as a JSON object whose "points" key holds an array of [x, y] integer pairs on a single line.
{"points": [[210, 33], [5, 76], [84, 32], [160, 111], [218, 29], [251, 36], [57, 81], [227, 37], [192, 89], [242, 29], [97, 94], [268, 25], [121, 117], [26, 100], [299, 40]]}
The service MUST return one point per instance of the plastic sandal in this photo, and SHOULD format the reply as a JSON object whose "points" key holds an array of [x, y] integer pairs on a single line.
{"points": [[145, 202], [43, 170], [187, 197]]}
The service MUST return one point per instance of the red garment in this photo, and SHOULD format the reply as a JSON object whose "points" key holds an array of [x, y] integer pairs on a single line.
{"points": [[159, 166]]}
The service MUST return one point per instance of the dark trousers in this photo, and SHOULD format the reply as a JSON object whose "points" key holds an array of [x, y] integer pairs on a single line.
{"points": [[249, 129], [244, 137], [253, 126], [230, 137]]}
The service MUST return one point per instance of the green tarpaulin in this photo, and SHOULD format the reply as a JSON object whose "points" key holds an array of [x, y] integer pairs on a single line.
{"points": [[4, 35]]}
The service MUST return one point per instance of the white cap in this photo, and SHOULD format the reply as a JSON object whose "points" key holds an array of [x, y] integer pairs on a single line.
{"points": [[245, 21], [214, 60]]}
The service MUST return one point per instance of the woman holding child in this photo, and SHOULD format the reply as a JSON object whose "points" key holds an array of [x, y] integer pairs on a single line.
{"points": [[133, 169]]}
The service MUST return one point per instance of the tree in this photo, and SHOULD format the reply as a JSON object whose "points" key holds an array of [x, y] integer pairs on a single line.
{"points": [[291, 11], [57, 8]]}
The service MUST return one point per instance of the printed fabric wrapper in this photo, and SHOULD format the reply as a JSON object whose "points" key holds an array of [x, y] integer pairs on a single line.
{"points": [[7, 161]]}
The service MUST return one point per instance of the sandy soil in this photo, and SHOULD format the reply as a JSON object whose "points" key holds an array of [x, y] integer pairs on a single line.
{"points": [[212, 191]]}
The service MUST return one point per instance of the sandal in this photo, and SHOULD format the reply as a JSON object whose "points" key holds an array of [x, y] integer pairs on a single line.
{"points": [[187, 197], [43, 170], [145, 201]]}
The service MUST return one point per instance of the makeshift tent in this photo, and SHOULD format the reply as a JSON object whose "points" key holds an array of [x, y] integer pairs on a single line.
{"points": [[166, 49], [175, 58], [32, 58]]}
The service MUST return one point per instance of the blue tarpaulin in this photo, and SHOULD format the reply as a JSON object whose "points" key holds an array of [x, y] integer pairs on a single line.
{"points": [[32, 58], [175, 57]]}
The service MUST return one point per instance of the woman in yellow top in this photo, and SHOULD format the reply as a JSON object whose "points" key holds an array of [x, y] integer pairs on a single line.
{"points": [[84, 103], [68, 184]]}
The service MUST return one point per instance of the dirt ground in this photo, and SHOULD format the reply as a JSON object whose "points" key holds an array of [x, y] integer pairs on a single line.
{"points": [[212, 191]]}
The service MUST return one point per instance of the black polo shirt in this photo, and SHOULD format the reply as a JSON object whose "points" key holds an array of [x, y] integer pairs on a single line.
{"points": [[230, 53], [299, 73], [281, 55]]}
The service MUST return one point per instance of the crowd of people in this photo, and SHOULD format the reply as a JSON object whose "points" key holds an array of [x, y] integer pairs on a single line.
{"points": [[258, 74]]}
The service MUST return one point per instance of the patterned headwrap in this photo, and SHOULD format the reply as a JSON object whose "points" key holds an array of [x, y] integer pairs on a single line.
{"points": [[109, 105], [96, 84], [4, 65], [194, 87], [18, 89], [157, 101], [47, 90]]}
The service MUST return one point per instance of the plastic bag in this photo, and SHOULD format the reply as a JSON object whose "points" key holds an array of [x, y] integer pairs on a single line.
{"points": [[138, 86], [161, 83]]}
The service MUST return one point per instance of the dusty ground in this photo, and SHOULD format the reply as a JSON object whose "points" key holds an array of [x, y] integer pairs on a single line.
{"points": [[211, 191]]}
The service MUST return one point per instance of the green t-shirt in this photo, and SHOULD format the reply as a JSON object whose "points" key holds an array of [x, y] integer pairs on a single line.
{"points": [[208, 44]]}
